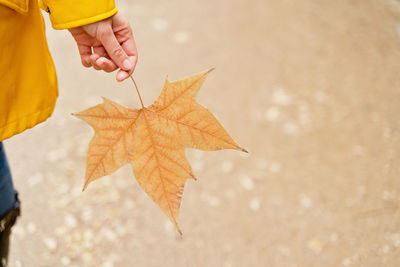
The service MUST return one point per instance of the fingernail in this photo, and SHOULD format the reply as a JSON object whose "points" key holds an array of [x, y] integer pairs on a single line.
{"points": [[122, 75], [127, 64]]}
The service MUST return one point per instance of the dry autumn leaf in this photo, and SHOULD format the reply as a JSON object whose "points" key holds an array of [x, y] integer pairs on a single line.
{"points": [[153, 140]]}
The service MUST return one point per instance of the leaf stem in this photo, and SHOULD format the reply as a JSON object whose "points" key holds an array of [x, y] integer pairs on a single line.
{"points": [[137, 90]]}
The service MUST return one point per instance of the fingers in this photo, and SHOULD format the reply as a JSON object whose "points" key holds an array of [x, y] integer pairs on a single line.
{"points": [[93, 59], [114, 49], [102, 63], [130, 48], [85, 52], [122, 75], [106, 65], [84, 48], [124, 35], [99, 60], [112, 43], [99, 50]]}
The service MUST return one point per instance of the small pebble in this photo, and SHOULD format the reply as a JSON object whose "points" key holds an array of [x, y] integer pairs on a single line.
{"points": [[385, 249], [181, 37], [198, 154], [346, 262], [35, 179], [31, 228], [198, 165], [386, 195], [88, 235], [395, 239], [18, 231], [60, 231], [121, 230], [61, 121], [213, 201], [168, 226], [226, 166], [271, 114], [56, 155], [315, 245], [275, 167], [128, 204], [109, 234], [387, 132], [65, 261], [87, 214], [304, 117], [281, 98], [333, 237], [254, 204], [247, 182], [91, 100], [108, 264], [51, 243], [70, 221], [305, 201], [160, 24], [114, 195]]}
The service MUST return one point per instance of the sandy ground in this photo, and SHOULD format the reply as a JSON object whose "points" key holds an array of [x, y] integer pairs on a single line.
{"points": [[310, 88]]}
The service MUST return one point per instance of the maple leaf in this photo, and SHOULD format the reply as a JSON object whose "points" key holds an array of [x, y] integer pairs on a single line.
{"points": [[153, 140]]}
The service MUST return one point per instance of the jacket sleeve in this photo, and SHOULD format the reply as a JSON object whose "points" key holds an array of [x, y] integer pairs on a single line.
{"points": [[66, 14]]}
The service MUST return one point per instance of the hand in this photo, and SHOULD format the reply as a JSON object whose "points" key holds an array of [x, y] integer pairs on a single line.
{"points": [[113, 45]]}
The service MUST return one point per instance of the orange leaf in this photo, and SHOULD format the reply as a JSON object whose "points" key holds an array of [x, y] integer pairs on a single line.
{"points": [[153, 140]]}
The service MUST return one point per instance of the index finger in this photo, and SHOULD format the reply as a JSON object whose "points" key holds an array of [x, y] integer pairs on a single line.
{"points": [[114, 49], [130, 49]]}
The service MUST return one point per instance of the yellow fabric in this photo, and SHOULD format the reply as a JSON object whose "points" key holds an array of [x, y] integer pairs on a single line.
{"points": [[73, 13], [28, 82], [18, 5]]}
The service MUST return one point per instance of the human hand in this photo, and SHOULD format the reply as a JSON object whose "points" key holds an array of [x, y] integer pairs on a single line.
{"points": [[113, 45]]}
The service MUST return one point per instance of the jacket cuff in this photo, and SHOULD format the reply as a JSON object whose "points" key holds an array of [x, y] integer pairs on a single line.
{"points": [[65, 14]]}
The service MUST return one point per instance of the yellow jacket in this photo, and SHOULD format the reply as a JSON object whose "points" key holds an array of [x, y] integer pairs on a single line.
{"points": [[28, 81]]}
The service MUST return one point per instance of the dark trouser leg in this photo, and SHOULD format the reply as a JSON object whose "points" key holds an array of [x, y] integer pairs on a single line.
{"points": [[5, 230], [9, 207], [4, 244]]}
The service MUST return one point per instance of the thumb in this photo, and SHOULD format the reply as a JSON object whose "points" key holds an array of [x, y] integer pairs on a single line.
{"points": [[114, 49]]}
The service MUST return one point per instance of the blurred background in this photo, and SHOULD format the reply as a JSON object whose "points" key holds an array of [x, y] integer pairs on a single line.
{"points": [[310, 88]]}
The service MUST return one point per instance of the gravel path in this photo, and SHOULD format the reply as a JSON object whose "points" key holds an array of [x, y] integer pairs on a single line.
{"points": [[310, 88]]}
